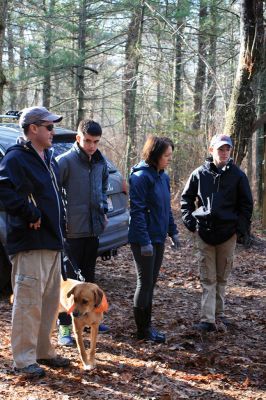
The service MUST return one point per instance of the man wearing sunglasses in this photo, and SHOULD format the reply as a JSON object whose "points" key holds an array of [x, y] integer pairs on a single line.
{"points": [[30, 193]]}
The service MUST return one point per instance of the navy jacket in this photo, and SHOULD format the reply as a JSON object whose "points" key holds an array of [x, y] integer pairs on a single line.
{"points": [[29, 191], [230, 200], [151, 217], [85, 183]]}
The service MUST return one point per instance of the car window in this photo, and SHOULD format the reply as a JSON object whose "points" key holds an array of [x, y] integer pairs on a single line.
{"points": [[60, 148]]}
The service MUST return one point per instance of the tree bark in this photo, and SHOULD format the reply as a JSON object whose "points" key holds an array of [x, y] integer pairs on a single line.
{"points": [[132, 55], [201, 70], [11, 64], [80, 78], [23, 92], [3, 16], [241, 113], [180, 24], [211, 84], [47, 55]]}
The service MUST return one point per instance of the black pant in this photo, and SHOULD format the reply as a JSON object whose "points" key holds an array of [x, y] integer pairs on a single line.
{"points": [[147, 269], [83, 254]]}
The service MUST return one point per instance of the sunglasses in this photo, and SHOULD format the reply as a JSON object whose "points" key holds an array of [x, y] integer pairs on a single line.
{"points": [[48, 127]]}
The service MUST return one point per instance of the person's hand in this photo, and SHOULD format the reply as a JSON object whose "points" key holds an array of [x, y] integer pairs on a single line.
{"points": [[147, 250], [36, 225], [175, 244], [105, 220]]}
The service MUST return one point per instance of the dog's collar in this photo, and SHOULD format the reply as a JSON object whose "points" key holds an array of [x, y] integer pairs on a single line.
{"points": [[71, 309]]}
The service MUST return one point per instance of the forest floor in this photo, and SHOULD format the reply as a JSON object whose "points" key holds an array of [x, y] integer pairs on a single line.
{"points": [[221, 365]]}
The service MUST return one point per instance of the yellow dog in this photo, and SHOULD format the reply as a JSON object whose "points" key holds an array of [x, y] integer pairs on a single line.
{"points": [[86, 303]]}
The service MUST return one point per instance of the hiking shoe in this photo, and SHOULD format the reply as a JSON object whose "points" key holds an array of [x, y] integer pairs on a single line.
{"points": [[152, 335], [56, 362], [205, 327], [64, 336], [103, 328], [31, 371], [224, 321]]}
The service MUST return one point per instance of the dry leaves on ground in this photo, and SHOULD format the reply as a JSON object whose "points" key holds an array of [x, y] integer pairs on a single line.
{"points": [[223, 365]]}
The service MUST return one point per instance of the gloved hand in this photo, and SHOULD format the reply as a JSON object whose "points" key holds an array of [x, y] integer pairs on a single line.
{"points": [[175, 241], [146, 250], [245, 240]]}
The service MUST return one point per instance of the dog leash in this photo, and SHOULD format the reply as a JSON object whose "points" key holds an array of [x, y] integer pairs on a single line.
{"points": [[76, 270], [66, 258]]}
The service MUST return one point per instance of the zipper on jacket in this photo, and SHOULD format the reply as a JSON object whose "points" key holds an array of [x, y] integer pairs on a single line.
{"points": [[56, 189]]}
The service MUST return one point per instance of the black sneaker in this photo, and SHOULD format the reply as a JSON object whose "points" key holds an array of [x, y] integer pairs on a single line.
{"points": [[56, 362], [31, 371], [205, 327]]}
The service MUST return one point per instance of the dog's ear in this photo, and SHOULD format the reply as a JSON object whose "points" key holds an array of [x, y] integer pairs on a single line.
{"points": [[98, 295], [71, 291]]}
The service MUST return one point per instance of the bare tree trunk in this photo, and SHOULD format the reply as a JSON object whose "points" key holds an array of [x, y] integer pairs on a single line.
{"points": [[132, 55], [11, 65], [180, 25], [80, 79], [241, 113], [211, 84], [3, 15], [159, 62], [201, 70], [23, 93], [47, 55], [260, 128]]}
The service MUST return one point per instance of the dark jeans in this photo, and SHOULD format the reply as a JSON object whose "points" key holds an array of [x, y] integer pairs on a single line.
{"points": [[83, 255], [147, 269]]}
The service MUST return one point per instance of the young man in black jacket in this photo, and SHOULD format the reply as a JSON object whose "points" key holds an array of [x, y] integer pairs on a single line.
{"points": [[224, 208], [31, 196]]}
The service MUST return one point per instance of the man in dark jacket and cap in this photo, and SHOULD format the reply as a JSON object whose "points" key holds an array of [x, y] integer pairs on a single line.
{"points": [[221, 192], [30, 193]]}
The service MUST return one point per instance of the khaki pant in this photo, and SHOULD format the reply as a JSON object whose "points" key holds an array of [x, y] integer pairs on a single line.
{"points": [[36, 288], [216, 263]]}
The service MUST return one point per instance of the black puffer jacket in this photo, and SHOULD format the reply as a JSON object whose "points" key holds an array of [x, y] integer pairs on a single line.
{"points": [[230, 199], [29, 191]]}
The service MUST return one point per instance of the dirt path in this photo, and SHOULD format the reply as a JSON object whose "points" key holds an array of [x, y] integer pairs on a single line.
{"points": [[222, 365]]}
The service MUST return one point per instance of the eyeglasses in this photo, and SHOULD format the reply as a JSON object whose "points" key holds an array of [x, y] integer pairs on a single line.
{"points": [[48, 127]]}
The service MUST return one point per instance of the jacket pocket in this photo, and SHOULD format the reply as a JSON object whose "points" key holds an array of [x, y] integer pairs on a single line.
{"points": [[26, 289]]}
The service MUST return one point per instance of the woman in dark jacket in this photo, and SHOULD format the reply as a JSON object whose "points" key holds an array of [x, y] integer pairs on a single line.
{"points": [[151, 220]]}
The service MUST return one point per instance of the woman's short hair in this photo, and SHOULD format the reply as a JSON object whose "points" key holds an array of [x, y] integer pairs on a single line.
{"points": [[154, 148]]}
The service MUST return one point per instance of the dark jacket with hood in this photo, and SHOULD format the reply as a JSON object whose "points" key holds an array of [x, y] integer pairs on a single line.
{"points": [[85, 182], [29, 191], [150, 210], [230, 200]]}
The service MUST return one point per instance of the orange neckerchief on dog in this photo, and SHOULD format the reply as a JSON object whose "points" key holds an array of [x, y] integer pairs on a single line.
{"points": [[103, 307]]}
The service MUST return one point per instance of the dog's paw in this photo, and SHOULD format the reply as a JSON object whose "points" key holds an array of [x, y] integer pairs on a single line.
{"points": [[89, 367]]}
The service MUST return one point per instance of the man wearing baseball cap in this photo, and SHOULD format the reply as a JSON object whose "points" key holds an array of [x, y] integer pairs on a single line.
{"points": [[30, 192], [216, 205]]}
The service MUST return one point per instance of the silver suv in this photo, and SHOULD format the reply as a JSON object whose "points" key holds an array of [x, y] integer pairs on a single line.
{"points": [[115, 234]]}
